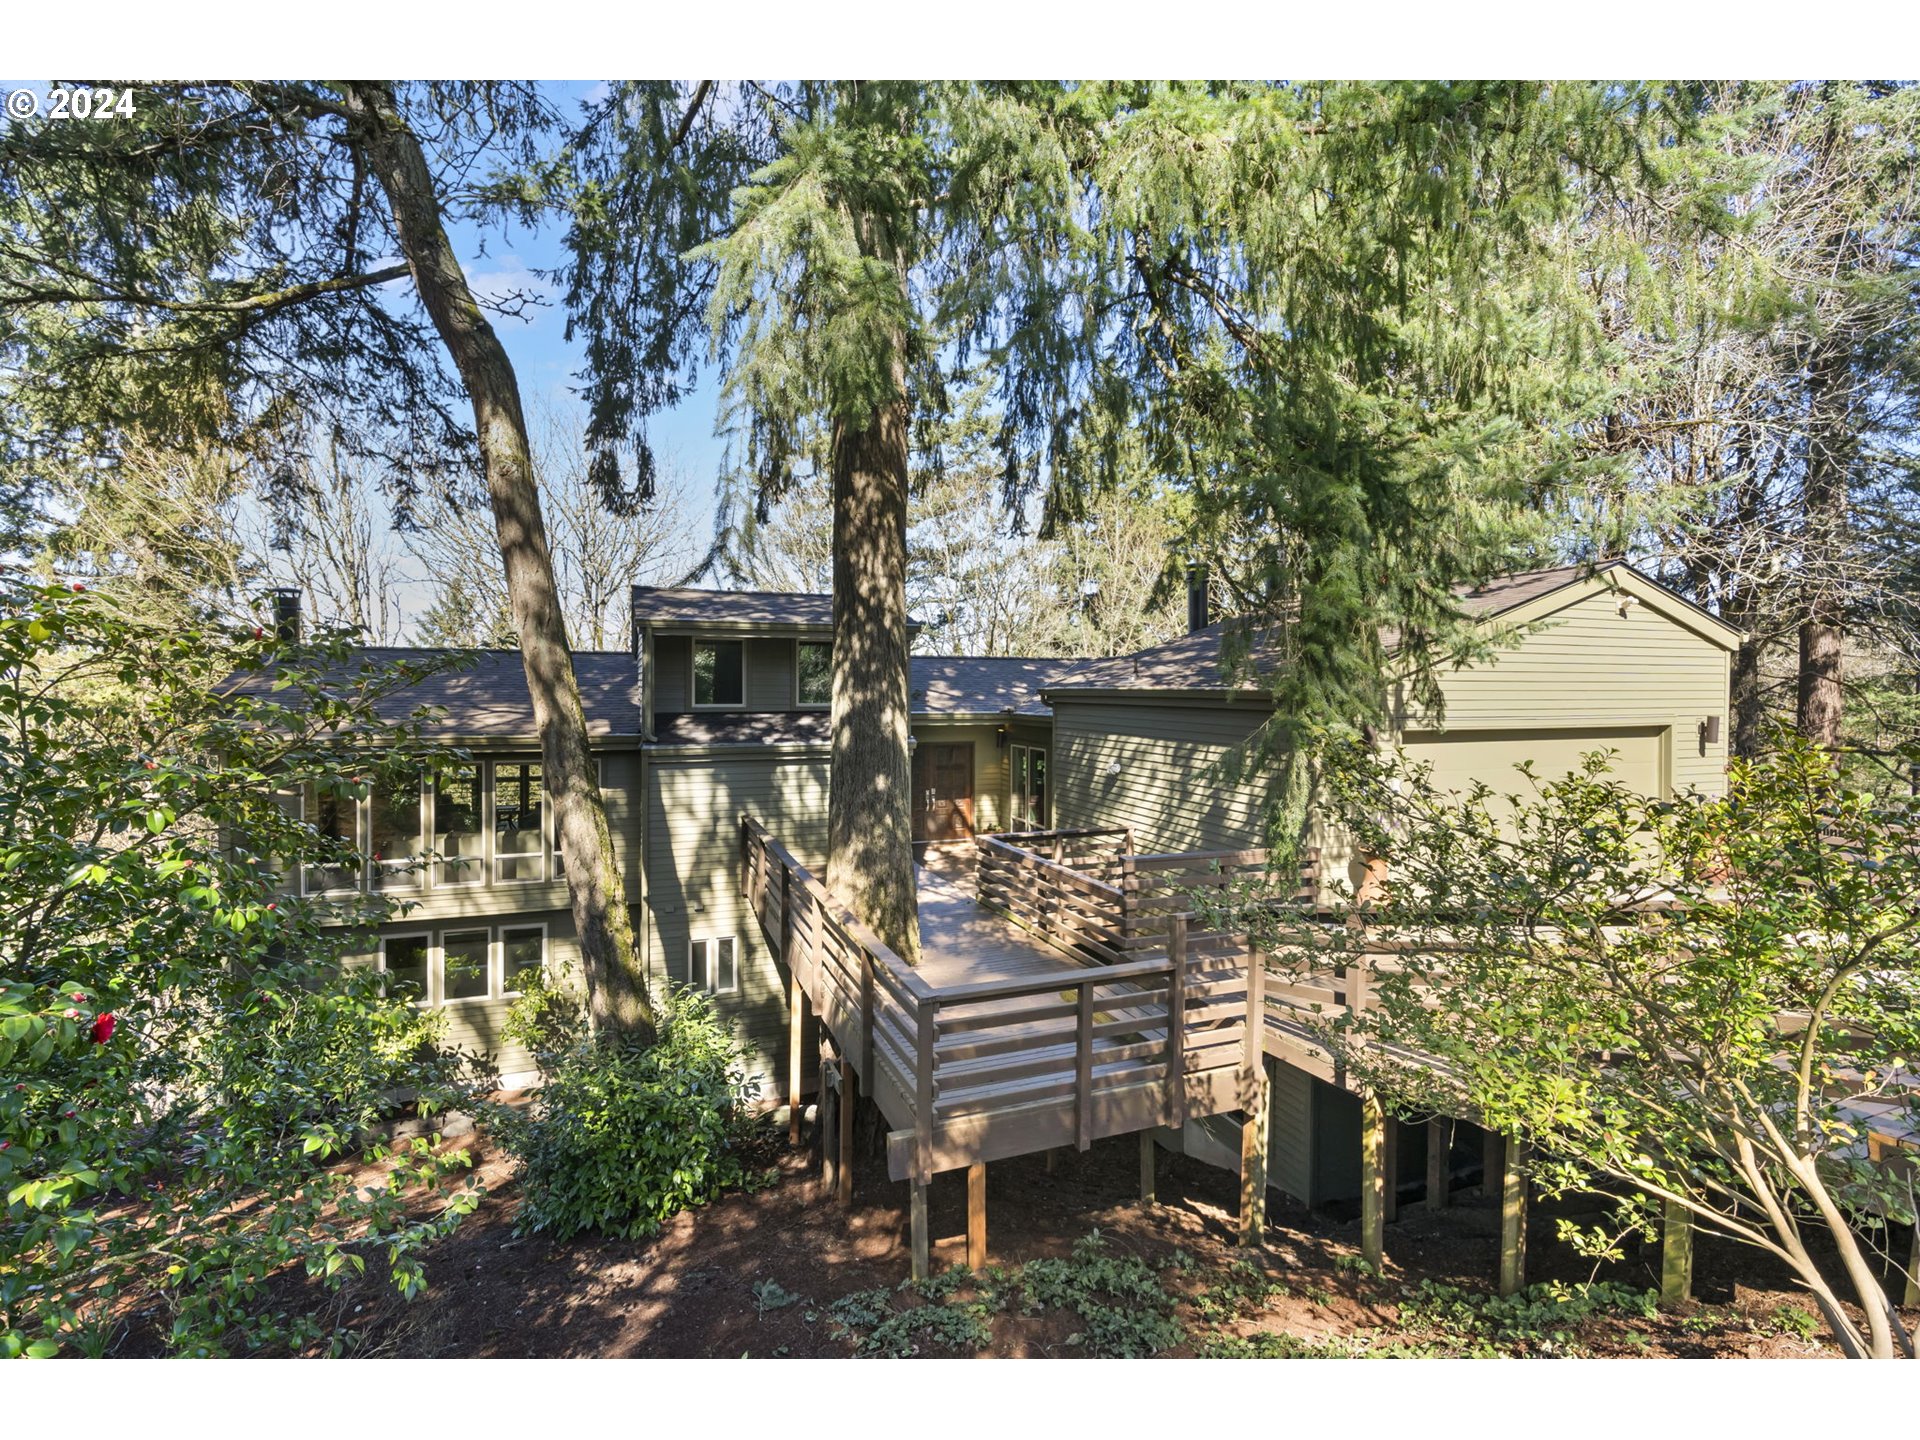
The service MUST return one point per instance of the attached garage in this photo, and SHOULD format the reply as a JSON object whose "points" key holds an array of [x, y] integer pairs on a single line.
{"points": [[1462, 758], [1600, 660], [1590, 660]]}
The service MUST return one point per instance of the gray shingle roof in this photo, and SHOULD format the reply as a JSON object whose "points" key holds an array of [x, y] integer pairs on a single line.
{"points": [[747, 727], [489, 699], [1192, 662], [663, 606], [975, 685]]}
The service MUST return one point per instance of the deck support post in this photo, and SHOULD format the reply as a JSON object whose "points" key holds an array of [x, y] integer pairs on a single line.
{"points": [[1439, 1161], [1513, 1220], [1373, 1179], [829, 1122], [1253, 1161], [1676, 1256], [849, 1101], [796, 1041], [1053, 1158], [1493, 1160], [1912, 1296], [977, 1216], [1149, 1167], [917, 1224], [1390, 1178]]}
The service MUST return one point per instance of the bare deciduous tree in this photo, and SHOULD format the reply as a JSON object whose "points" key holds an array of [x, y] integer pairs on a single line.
{"points": [[598, 553]]}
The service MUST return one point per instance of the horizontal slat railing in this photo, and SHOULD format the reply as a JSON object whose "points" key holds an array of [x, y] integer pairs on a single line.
{"points": [[1001, 1067]]}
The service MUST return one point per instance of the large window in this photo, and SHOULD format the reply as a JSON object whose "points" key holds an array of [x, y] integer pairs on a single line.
{"points": [[394, 834], [469, 962], [719, 673], [459, 829], [814, 669], [336, 815], [480, 821], [519, 823]]}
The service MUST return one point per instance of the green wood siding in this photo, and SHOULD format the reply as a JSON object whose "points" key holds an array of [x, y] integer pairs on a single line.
{"points": [[672, 671], [693, 877], [767, 682], [1168, 787], [1593, 668]]}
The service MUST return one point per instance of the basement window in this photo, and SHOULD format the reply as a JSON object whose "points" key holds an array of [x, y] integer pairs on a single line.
{"points": [[712, 965]]}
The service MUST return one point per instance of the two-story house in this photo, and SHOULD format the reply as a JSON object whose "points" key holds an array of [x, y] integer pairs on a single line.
{"points": [[721, 709]]}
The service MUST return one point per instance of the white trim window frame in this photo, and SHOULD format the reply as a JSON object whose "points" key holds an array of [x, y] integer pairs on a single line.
{"points": [[489, 964], [693, 672], [479, 868], [500, 987], [415, 866], [427, 998], [800, 701], [497, 859], [706, 966], [359, 884]]}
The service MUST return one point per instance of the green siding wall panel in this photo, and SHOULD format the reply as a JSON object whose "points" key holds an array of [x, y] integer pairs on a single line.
{"points": [[693, 878]]}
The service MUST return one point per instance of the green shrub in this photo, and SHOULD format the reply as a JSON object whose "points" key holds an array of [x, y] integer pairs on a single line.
{"points": [[620, 1137], [185, 1048]]}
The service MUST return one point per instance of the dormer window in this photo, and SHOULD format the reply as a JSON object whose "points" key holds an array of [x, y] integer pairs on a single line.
{"points": [[719, 674], [813, 670]]}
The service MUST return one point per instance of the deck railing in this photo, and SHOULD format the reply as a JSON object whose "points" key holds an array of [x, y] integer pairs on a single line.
{"points": [[975, 1072]]}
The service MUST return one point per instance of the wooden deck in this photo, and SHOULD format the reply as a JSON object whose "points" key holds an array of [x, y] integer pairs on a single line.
{"points": [[1000, 1043], [963, 943]]}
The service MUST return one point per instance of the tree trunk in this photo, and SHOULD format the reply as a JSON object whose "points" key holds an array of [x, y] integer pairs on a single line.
{"points": [[617, 991], [1831, 444], [869, 798]]}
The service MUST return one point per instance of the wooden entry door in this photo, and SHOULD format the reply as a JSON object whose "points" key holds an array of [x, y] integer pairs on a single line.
{"points": [[942, 793]]}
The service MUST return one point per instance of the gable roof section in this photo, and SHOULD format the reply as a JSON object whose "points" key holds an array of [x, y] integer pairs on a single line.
{"points": [[1192, 663]]}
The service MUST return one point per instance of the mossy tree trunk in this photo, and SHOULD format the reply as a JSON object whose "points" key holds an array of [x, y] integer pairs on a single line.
{"points": [[616, 987]]}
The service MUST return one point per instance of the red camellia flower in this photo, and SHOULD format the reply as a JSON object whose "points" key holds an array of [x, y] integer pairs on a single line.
{"points": [[103, 1028]]}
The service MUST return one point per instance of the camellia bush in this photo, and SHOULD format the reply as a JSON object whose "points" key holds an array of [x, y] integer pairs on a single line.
{"points": [[1690, 999], [185, 1059], [620, 1137]]}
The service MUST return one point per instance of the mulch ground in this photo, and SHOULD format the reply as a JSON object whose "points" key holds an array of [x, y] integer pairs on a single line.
{"points": [[698, 1289]]}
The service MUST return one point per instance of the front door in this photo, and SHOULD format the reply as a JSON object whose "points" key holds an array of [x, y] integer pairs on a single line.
{"points": [[942, 793]]}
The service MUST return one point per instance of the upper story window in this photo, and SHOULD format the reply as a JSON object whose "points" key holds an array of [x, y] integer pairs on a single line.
{"points": [[394, 834], [813, 672], [337, 817], [719, 673], [519, 824], [459, 827]]}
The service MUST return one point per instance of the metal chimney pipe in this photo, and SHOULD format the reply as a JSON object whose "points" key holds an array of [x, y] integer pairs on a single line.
{"points": [[1198, 617], [286, 616]]}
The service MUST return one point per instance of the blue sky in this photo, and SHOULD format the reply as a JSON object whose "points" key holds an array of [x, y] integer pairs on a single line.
{"points": [[547, 364]]}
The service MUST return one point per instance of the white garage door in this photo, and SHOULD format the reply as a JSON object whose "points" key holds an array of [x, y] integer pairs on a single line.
{"points": [[1461, 757]]}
